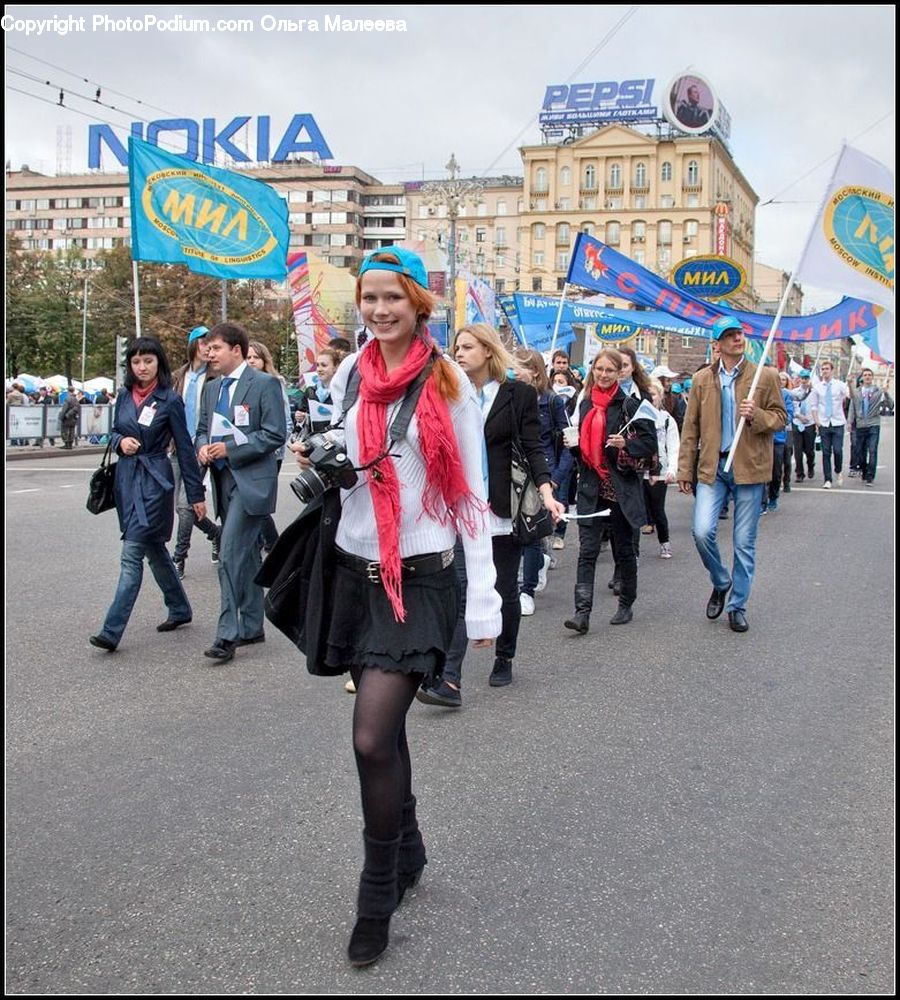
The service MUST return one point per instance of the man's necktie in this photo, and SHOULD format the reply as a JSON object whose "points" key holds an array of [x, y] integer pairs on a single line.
{"points": [[828, 403], [222, 410]]}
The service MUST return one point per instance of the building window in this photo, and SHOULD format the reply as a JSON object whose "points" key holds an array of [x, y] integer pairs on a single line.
{"points": [[537, 284], [338, 239], [687, 341], [500, 236], [540, 204], [589, 204], [640, 202], [565, 177], [499, 261], [540, 179], [640, 175], [693, 201], [562, 234], [691, 227], [638, 256], [667, 201], [424, 211], [520, 206], [665, 173], [501, 208], [615, 176], [480, 234], [664, 257], [614, 204], [587, 228], [481, 208], [693, 172], [562, 260], [664, 233], [538, 231], [499, 286], [564, 204], [321, 218], [638, 231], [537, 258], [590, 177], [613, 231], [640, 344]]}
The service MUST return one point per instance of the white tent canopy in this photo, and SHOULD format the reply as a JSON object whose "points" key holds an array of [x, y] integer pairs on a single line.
{"points": [[101, 382], [61, 382]]}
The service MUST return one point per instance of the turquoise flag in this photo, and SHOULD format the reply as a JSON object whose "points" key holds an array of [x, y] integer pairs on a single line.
{"points": [[217, 222]]}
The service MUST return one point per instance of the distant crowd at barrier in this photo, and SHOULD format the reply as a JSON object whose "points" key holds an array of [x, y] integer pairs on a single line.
{"points": [[46, 415]]}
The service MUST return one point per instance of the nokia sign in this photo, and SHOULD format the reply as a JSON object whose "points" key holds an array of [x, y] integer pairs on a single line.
{"points": [[203, 140]]}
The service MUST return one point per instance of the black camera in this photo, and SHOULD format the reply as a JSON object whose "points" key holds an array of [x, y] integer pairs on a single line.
{"points": [[330, 466]]}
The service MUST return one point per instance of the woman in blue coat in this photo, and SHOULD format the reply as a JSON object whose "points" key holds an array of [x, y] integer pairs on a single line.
{"points": [[148, 416]]}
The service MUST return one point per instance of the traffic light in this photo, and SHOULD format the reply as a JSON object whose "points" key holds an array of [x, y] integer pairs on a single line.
{"points": [[121, 350]]}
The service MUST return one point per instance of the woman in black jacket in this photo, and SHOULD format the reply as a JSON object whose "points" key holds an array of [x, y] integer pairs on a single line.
{"points": [[510, 410], [608, 481]]}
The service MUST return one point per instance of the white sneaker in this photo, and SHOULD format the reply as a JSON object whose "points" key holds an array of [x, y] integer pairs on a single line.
{"points": [[665, 551], [826, 485], [526, 602], [559, 542], [350, 687], [840, 480], [542, 575]]}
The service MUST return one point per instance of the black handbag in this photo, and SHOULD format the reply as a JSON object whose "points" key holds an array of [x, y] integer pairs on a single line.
{"points": [[102, 487], [530, 518]]}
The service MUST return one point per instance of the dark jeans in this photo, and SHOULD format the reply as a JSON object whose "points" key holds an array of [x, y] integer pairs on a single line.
{"points": [[507, 553], [187, 519], [786, 461], [832, 442], [777, 462], [590, 534], [805, 448], [655, 496], [854, 449], [867, 448], [532, 564]]}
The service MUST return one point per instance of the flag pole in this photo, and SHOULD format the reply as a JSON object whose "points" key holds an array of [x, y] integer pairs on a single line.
{"points": [[759, 368], [781, 306], [137, 298], [562, 300]]}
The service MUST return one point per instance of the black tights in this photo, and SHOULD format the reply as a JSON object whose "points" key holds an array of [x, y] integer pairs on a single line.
{"points": [[383, 698]]}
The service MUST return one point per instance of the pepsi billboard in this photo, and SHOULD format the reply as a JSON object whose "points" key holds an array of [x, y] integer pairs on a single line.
{"points": [[599, 103]]}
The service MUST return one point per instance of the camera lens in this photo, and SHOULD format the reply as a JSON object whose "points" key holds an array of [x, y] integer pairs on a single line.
{"points": [[308, 485]]}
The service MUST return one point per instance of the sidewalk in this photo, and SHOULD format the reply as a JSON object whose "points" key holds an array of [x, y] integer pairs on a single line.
{"points": [[29, 451]]}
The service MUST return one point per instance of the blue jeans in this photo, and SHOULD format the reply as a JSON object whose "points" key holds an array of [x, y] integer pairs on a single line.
{"points": [[832, 440], [131, 574], [708, 503]]}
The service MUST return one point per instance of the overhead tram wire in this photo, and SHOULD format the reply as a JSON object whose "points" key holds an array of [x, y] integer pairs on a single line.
{"points": [[613, 31]]}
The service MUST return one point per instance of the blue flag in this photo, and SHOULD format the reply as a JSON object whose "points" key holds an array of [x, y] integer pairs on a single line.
{"points": [[215, 221], [597, 266]]}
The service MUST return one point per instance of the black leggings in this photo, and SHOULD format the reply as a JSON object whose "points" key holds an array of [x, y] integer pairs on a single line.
{"points": [[383, 698]]}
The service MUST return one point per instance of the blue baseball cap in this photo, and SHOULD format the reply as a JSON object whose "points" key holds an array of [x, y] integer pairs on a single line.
{"points": [[805, 373], [725, 323], [197, 333], [410, 264]]}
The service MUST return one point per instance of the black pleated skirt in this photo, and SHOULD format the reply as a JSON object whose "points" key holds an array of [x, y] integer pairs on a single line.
{"points": [[364, 632]]}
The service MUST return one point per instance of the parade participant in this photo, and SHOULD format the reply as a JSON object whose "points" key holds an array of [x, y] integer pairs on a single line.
{"points": [[718, 398], [188, 382], [607, 482], [68, 418], [244, 477], [804, 430], [668, 442], [395, 590], [327, 361], [780, 449], [865, 413], [260, 357], [633, 378], [509, 410], [148, 416], [552, 412], [827, 407]]}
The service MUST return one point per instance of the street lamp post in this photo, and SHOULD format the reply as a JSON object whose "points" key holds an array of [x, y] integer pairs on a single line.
{"points": [[453, 194]]}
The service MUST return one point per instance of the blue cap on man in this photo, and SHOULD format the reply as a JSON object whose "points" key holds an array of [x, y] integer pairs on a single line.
{"points": [[197, 333], [723, 324]]}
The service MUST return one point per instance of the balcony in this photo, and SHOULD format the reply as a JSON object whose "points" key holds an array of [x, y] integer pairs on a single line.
{"points": [[692, 187], [584, 189], [640, 189], [610, 190]]}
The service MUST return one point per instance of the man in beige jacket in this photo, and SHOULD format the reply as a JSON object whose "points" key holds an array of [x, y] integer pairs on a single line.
{"points": [[717, 401]]}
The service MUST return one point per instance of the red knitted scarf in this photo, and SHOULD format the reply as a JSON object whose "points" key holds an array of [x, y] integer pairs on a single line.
{"points": [[592, 437], [447, 495]]}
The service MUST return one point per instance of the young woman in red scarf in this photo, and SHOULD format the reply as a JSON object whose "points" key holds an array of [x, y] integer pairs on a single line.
{"points": [[603, 412], [396, 595]]}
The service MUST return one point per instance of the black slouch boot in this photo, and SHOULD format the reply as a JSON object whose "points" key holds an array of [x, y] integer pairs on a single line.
{"points": [[376, 902], [412, 858]]}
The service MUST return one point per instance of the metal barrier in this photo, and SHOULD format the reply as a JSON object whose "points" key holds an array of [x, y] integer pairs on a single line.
{"points": [[32, 424]]}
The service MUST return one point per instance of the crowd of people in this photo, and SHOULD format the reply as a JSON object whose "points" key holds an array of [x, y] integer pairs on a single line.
{"points": [[416, 543]]}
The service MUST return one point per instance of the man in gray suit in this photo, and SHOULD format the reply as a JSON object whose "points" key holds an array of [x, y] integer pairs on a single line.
{"points": [[244, 403]]}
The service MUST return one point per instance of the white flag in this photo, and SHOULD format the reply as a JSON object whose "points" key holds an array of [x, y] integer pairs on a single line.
{"points": [[223, 427], [851, 246], [646, 411]]}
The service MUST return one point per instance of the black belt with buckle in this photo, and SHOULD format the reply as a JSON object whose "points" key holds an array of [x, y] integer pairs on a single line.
{"points": [[412, 567]]}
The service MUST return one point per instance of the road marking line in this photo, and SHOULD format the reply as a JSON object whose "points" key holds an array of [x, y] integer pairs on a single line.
{"points": [[27, 491], [839, 491]]}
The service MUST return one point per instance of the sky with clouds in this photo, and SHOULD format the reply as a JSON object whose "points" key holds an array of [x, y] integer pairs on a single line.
{"points": [[796, 80]]}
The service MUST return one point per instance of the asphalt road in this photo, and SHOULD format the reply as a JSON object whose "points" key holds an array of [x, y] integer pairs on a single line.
{"points": [[665, 807]]}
